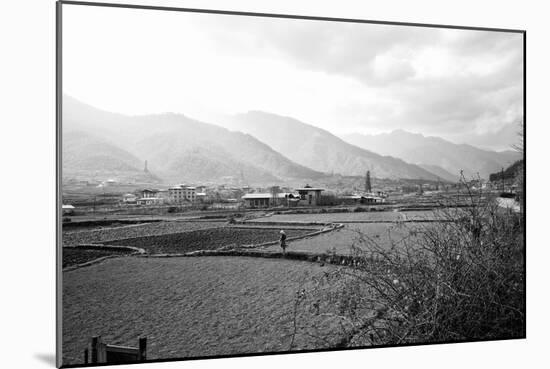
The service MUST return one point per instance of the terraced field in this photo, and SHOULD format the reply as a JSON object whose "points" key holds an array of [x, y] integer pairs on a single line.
{"points": [[102, 235], [187, 307], [334, 217], [206, 239], [72, 256], [381, 216], [358, 235]]}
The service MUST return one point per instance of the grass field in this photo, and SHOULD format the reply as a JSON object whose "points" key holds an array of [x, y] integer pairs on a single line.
{"points": [[189, 307]]}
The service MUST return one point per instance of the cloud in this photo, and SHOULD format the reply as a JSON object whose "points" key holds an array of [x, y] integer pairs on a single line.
{"points": [[436, 81], [343, 77]]}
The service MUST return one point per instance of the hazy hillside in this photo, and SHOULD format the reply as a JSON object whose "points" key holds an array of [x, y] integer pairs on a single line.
{"points": [[435, 151], [440, 172], [179, 149], [320, 150], [86, 156]]}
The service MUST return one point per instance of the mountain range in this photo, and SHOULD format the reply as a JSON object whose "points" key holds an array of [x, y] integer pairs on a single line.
{"points": [[256, 148], [319, 149], [436, 154], [177, 149]]}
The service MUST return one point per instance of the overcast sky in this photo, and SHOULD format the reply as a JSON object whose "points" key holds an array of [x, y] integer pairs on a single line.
{"points": [[465, 86]]}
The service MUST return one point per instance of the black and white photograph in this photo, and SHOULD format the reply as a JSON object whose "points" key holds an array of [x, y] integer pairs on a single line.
{"points": [[236, 184]]}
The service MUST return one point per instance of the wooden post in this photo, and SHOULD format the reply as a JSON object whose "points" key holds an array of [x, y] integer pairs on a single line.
{"points": [[142, 353], [101, 351], [94, 344], [86, 356]]}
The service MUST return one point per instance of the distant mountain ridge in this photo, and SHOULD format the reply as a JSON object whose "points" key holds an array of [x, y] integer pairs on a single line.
{"points": [[176, 147], [434, 151], [319, 149], [86, 156]]}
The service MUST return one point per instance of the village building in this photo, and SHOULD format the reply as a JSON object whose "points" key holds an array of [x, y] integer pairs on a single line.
{"points": [[362, 199], [67, 209], [129, 198], [201, 196], [309, 196], [182, 193], [149, 197], [148, 193], [372, 199], [149, 201], [264, 200]]}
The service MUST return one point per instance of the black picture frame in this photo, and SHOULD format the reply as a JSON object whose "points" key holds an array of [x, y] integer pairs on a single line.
{"points": [[59, 140]]}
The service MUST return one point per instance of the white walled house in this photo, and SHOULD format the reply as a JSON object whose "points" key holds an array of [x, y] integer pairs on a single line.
{"points": [[309, 196], [264, 200], [148, 193], [67, 209], [150, 201], [182, 193], [129, 198]]}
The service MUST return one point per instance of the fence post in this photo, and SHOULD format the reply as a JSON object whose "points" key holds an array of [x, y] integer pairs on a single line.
{"points": [[101, 351], [95, 341], [142, 355]]}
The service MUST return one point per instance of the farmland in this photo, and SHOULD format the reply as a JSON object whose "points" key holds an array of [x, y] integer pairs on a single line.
{"points": [[334, 217], [73, 256], [220, 305], [189, 306], [102, 235], [341, 241], [206, 239]]}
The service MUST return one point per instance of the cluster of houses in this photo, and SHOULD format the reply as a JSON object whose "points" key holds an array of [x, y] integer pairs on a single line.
{"points": [[178, 194], [307, 196], [303, 196]]}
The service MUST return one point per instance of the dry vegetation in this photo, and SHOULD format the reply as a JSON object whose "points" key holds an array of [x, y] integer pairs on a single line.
{"points": [[452, 281]]}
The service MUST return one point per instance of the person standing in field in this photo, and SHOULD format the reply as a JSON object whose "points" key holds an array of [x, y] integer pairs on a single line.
{"points": [[282, 241]]}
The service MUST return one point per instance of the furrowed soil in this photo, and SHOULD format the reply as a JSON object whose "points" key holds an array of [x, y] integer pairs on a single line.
{"points": [[73, 256], [102, 235], [186, 307], [206, 239]]}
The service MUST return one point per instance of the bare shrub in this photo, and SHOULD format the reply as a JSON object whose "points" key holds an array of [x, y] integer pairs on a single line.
{"points": [[460, 278]]}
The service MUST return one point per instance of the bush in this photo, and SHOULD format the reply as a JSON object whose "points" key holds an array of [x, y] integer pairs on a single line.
{"points": [[459, 279]]}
